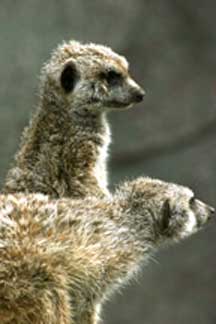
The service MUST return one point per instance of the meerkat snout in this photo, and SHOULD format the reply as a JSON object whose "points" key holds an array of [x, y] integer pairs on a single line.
{"points": [[138, 95], [203, 211], [212, 210]]}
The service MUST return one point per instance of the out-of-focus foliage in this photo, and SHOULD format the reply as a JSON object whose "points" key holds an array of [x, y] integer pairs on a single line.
{"points": [[171, 46]]}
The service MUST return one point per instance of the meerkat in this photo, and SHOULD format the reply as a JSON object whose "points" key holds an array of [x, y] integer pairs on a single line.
{"points": [[63, 152], [60, 259]]}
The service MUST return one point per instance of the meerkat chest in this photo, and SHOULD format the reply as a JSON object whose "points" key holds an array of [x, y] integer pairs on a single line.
{"points": [[100, 168]]}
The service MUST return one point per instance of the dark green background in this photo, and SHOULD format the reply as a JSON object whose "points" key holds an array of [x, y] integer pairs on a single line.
{"points": [[171, 46]]}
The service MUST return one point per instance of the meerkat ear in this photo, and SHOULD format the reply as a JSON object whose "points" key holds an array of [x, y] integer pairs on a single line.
{"points": [[166, 214], [69, 77]]}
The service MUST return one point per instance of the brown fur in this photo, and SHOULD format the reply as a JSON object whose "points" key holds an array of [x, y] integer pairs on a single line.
{"points": [[64, 150], [60, 259]]}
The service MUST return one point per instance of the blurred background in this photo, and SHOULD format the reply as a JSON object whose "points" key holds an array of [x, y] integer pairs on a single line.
{"points": [[171, 47]]}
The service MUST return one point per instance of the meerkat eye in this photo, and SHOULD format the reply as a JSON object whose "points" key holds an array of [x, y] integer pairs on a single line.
{"points": [[192, 201], [112, 77], [69, 77]]}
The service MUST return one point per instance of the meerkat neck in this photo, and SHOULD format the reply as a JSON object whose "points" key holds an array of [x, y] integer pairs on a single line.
{"points": [[63, 153]]}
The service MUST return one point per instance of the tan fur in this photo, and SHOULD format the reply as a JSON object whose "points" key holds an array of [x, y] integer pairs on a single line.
{"points": [[64, 150], [60, 259]]}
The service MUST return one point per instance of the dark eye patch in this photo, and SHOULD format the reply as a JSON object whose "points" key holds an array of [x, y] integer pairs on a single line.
{"points": [[69, 77], [112, 77], [192, 201]]}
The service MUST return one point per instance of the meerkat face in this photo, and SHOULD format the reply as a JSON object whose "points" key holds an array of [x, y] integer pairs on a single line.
{"points": [[182, 213], [91, 77], [173, 211]]}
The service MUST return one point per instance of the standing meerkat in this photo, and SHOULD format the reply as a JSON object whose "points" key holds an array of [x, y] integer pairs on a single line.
{"points": [[60, 259], [64, 150]]}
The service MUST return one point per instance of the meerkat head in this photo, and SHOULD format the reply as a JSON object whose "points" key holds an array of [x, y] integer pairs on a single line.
{"points": [[172, 211], [89, 77]]}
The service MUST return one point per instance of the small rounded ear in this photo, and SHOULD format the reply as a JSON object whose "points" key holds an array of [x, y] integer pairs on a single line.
{"points": [[69, 77], [166, 214]]}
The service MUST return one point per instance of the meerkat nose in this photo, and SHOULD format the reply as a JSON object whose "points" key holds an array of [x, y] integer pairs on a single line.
{"points": [[138, 95]]}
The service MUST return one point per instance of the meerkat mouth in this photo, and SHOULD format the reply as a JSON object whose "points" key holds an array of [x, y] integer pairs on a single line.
{"points": [[118, 105]]}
